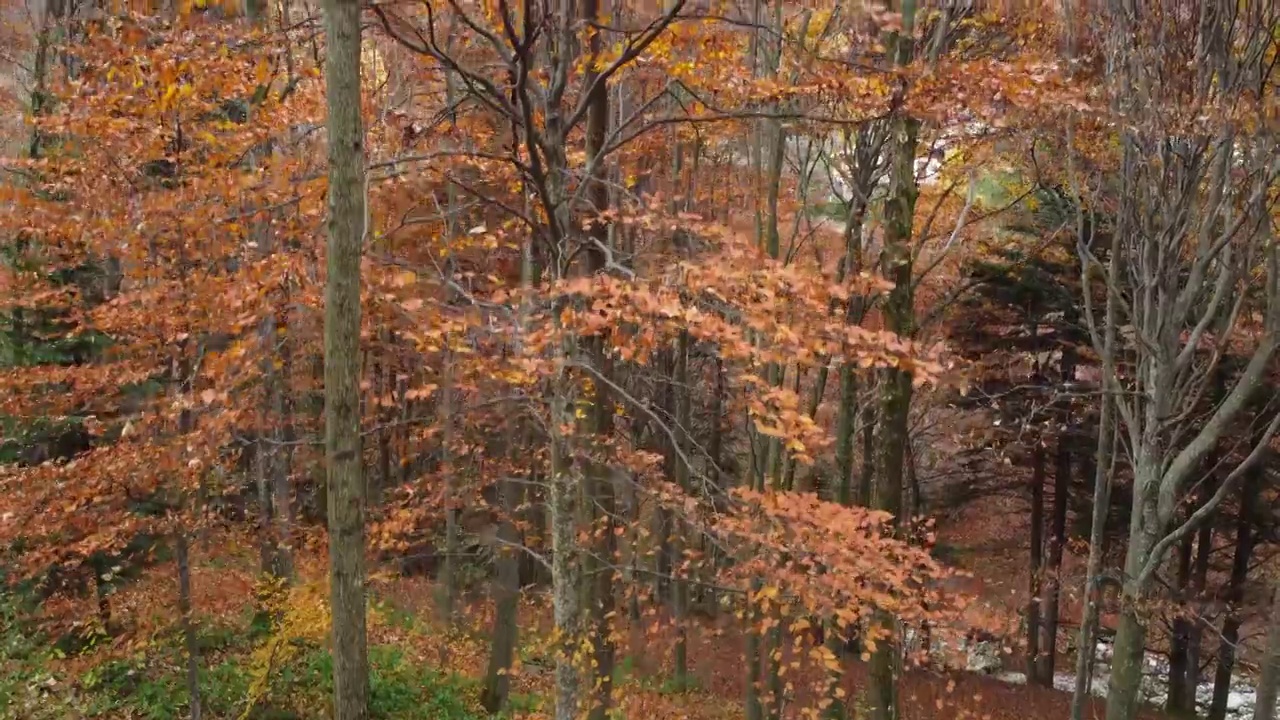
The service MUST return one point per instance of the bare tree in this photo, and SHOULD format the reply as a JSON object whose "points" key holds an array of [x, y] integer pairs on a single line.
{"points": [[1199, 273]]}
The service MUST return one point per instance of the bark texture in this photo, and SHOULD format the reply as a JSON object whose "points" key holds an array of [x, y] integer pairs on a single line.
{"points": [[346, 491]]}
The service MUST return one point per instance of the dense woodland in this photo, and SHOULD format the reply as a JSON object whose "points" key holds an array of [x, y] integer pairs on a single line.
{"points": [[452, 359]]}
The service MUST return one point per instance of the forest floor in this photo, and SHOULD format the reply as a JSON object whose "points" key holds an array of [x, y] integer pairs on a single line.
{"points": [[424, 669]]}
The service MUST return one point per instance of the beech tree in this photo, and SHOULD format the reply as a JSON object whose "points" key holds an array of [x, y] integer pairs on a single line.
{"points": [[1192, 272], [348, 227]]}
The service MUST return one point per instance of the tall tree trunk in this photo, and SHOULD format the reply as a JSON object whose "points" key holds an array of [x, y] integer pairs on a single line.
{"points": [[662, 518], [777, 377], [1182, 696], [1124, 690], [286, 514], [845, 431], [866, 477], [775, 373], [1053, 563], [789, 474], [716, 442], [506, 625], [564, 562], [602, 509], [182, 549], [895, 384], [266, 544], [273, 479], [1200, 566], [384, 381], [602, 610], [50, 15], [1199, 582], [773, 660], [851, 264], [1036, 575], [754, 708], [452, 544], [1269, 678], [1187, 631], [679, 583], [346, 491], [506, 628], [1058, 531], [189, 640], [1235, 595]]}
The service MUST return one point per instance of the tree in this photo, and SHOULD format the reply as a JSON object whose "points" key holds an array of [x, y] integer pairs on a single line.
{"points": [[348, 223], [1265, 703], [1193, 234]]}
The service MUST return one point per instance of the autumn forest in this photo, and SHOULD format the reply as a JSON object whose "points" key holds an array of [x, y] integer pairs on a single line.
{"points": [[649, 359]]}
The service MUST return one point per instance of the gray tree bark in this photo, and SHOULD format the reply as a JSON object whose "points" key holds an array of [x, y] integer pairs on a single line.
{"points": [[346, 491], [1180, 296], [1269, 679]]}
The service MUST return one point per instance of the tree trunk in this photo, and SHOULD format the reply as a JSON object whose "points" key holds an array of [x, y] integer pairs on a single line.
{"points": [[715, 444], [40, 72], [1199, 581], [1037, 560], [1182, 696], [866, 477], [895, 384], [506, 628], [286, 514], [833, 694], [602, 610], [266, 544], [346, 492], [789, 474], [1124, 691], [188, 626], [662, 530], [773, 661], [565, 590], [384, 381], [1235, 595], [273, 479], [603, 507], [449, 568], [1057, 542], [1187, 631], [506, 625], [1058, 532], [847, 414], [1265, 699], [679, 583], [754, 709], [845, 431]]}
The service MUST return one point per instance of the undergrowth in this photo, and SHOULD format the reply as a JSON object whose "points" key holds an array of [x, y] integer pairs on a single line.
{"points": [[37, 682]]}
